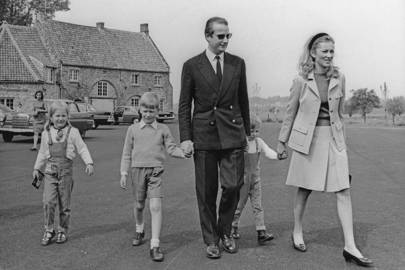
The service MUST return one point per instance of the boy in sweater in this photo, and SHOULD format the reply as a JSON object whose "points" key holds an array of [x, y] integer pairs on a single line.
{"points": [[144, 153]]}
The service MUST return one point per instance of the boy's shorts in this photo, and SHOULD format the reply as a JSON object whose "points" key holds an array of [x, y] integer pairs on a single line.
{"points": [[146, 182]]}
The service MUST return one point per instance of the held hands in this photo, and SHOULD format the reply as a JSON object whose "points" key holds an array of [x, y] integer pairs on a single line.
{"points": [[89, 169], [281, 151], [188, 148], [123, 182]]}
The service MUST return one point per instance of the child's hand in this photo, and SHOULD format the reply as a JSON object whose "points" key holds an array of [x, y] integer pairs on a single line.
{"points": [[89, 169], [35, 174], [123, 181]]}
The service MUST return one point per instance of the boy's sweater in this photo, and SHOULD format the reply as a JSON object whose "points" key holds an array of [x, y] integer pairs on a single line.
{"points": [[145, 146]]}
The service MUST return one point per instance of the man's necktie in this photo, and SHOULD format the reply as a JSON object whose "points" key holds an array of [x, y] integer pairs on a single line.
{"points": [[219, 70]]}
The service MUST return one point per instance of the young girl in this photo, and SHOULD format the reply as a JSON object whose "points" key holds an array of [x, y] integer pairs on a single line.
{"points": [[55, 158]]}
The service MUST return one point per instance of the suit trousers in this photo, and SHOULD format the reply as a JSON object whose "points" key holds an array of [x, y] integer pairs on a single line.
{"points": [[229, 164]]}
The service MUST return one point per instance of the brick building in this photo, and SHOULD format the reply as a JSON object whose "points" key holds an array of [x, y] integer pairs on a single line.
{"points": [[107, 67]]}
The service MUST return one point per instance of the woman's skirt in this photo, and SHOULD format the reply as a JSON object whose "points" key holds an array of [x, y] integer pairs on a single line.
{"points": [[38, 123], [325, 168]]}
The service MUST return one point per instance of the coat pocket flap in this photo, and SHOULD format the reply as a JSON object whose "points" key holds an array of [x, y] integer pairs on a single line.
{"points": [[303, 130]]}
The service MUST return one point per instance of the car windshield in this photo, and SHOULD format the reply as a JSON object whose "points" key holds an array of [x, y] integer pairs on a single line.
{"points": [[130, 109], [85, 107]]}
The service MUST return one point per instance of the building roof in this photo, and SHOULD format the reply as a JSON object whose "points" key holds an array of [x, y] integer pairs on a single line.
{"points": [[22, 54], [81, 45], [26, 50]]}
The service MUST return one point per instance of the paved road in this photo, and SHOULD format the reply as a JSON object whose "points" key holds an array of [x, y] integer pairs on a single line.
{"points": [[102, 224]]}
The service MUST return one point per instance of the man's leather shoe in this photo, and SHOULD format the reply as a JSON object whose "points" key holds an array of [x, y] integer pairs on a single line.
{"points": [[213, 251], [229, 244], [156, 254], [138, 239], [263, 237]]}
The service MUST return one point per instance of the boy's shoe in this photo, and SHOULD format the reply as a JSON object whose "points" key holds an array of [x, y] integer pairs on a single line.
{"points": [[47, 238], [61, 238], [263, 237], [138, 239], [235, 233], [156, 254]]}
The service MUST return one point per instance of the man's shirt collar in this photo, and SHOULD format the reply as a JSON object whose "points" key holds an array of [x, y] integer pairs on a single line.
{"points": [[211, 56], [142, 124]]}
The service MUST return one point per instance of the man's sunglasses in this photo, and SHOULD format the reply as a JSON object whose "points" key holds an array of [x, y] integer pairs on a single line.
{"points": [[222, 36]]}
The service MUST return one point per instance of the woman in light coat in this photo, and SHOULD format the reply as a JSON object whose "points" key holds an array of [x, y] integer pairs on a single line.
{"points": [[314, 130]]}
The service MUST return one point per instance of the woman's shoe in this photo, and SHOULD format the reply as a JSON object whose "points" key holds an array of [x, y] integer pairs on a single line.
{"points": [[300, 247], [33, 149], [359, 261]]}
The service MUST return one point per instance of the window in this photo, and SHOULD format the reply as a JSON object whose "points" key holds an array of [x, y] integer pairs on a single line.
{"points": [[157, 80], [135, 101], [9, 102], [102, 88], [135, 79], [161, 104], [49, 75], [73, 75]]}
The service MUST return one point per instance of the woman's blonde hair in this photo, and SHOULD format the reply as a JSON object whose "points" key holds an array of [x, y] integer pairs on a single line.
{"points": [[306, 62], [56, 105]]}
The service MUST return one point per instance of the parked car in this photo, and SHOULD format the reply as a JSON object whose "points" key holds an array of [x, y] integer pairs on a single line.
{"points": [[100, 117], [4, 110], [20, 123], [127, 115]]}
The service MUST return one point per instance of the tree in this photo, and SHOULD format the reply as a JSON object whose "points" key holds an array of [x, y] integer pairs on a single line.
{"points": [[349, 107], [395, 106], [365, 101], [21, 12]]}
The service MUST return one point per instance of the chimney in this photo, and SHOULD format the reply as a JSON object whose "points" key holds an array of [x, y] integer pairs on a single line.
{"points": [[100, 25], [145, 28]]}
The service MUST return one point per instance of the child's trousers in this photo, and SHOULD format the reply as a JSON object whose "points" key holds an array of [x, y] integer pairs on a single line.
{"points": [[251, 189], [57, 192]]}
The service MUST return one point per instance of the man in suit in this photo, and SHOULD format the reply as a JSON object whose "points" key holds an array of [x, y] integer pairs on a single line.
{"points": [[214, 82]]}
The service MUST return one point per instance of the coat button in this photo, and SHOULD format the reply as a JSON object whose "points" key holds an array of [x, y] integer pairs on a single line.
{"points": [[333, 123], [230, 107], [212, 123], [215, 108], [330, 98], [331, 111], [233, 121]]}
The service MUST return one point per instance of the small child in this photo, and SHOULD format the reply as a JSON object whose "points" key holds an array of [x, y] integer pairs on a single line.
{"points": [[144, 153], [252, 187], [55, 158]]}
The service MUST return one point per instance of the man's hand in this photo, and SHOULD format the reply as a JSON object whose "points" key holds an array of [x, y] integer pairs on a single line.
{"points": [[123, 182], [187, 147], [281, 151]]}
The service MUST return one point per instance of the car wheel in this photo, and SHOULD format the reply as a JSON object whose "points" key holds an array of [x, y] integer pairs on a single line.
{"points": [[95, 126], [7, 136], [159, 120]]}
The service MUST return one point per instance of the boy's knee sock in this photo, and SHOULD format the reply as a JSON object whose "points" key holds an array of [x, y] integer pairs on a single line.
{"points": [[139, 228], [154, 243]]}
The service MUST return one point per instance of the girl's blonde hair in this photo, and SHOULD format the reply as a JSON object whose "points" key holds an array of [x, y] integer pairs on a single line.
{"points": [[56, 105], [255, 121], [306, 62]]}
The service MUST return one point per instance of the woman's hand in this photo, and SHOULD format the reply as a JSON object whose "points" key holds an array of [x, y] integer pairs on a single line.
{"points": [[89, 169], [281, 151]]}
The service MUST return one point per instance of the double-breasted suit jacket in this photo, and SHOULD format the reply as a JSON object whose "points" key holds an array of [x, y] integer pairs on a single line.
{"points": [[220, 118], [303, 109]]}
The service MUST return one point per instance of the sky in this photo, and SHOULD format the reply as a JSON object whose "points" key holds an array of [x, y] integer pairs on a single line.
{"points": [[268, 34]]}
